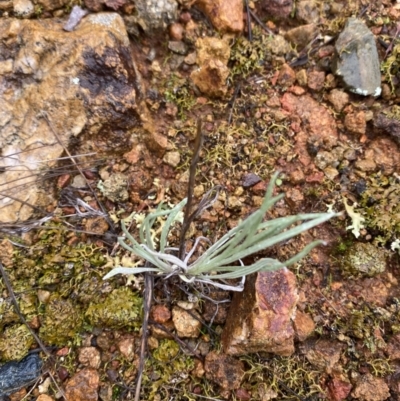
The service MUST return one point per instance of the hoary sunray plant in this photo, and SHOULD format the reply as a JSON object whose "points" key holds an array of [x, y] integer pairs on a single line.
{"points": [[222, 260]]}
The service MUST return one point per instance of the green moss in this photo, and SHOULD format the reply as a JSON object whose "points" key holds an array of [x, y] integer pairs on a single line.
{"points": [[391, 66], [178, 92], [363, 260], [381, 207], [15, 342], [121, 309], [61, 321], [168, 372]]}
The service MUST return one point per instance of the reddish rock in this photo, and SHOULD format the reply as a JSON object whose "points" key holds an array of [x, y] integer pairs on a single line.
{"points": [[280, 9], [259, 319], [371, 388], [89, 357], [44, 397], [303, 325], [386, 155], [83, 386], [356, 123], [324, 354], [160, 314], [316, 80], [242, 394], [338, 388], [286, 76], [211, 77], [374, 291], [176, 31], [224, 370], [393, 348], [294, 197], [225, 15], [315, 119]]}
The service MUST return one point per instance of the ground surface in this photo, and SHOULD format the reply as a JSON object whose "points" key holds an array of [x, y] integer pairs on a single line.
{"points": [[273, 117]]}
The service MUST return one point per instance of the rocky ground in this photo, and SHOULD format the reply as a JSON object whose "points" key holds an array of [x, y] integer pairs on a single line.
{"points": [[98, 117]]}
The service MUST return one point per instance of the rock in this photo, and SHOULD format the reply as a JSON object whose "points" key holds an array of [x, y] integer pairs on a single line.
{"points": [[14, 375], [324, 354], [390, 126], [315, 121], [260, 317], [356, 123], [176, 31], [339, 388], [156, 14], [225, 15], [286, 76], [316, 80], [280, 9], [97, 225], [23, 8], [44, 397], [303, 325], [363, 259], [185, 324], [339, 99], [212, 48], [302, 35], [211, 78], [126, 347], [371, 388], [89, 357], [250, 179], [83, 386], [115, 187], [86, 88], [308, 11], [357, 61], [393, 348], [94, 5], [172, 158], [160, 314], [177, 47], [224, 370]]}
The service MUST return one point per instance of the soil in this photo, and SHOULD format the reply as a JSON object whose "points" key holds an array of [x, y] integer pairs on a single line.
{"points": [[282, 110]]}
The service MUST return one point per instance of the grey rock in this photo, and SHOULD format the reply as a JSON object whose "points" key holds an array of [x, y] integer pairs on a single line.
{"points": [[177, 47], [17, 374], [357, 60], [156, 14]]}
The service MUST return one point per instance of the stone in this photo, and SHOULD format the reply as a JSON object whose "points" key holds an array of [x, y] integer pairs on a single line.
{"points": [[225, 15], [212, 48], [156, 14], [260, 317], [302, 35], [77, 88], [185, 324], [224, 370], [357, 61], [250, 179], [44, 397], [339, 387], [172, 158], [160, 314], [303, 325], [356, 123], [23, 8], [371, 388], [126, 347], [287, 76], [324, 354], [211, 78], [89, 357], [339, 99], [308, 11], [316, 80], [393, 348], [177, 47], [115, 187], [83, 386], [280, 9]]}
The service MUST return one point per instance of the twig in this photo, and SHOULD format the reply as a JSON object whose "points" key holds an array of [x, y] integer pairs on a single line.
{"points": [[263, 26], [248, 19], [17, 310], [148, 297], [232, 102], [187, 219], [109, 221]]}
